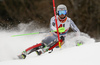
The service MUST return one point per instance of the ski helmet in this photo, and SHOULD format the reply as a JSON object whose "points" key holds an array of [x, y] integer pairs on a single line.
{"points": [[61, 7]]}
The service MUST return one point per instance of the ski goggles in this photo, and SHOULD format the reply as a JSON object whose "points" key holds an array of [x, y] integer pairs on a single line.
{"points": [[62, 12]]}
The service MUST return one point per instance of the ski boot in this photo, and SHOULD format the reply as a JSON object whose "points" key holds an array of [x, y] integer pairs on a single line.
{"points": [[41, 51], [23, 55], [38, 52]]}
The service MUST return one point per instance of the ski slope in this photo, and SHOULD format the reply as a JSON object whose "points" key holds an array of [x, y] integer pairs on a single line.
{"points": [[69, 54], [82, 55]]}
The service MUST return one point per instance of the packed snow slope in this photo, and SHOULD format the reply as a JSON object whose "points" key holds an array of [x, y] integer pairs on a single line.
{"points": [[83, 55], [69, 54]]}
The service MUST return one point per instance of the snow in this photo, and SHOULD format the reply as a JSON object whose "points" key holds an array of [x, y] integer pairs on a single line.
{"points": [[69, 54], [82, 55]]}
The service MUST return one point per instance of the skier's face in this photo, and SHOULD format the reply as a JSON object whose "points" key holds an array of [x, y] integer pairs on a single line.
{"points": [[62, 16], [62, 13]]}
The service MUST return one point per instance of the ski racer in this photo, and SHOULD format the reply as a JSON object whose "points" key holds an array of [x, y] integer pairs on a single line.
{"points": [[51, 41]]}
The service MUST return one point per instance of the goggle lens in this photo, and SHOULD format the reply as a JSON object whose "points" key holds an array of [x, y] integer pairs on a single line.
{"points": [[62, 12]]}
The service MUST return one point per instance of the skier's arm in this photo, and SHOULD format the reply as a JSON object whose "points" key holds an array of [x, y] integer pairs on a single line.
{"points": [[74, 28], [52, 24]]}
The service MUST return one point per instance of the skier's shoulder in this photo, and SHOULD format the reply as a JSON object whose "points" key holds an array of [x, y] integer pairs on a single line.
{"points": [[68, 18]]}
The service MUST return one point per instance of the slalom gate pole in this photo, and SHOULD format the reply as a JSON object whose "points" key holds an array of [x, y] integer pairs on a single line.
{"points": [[56, 23]]}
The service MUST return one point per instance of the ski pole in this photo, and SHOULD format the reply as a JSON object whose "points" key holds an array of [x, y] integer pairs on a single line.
{"points": [[56, 23], [62, 29], [27, 34]]}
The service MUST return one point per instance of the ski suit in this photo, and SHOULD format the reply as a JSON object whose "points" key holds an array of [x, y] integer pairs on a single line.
{"points": [[51, 41], [66, 23]]}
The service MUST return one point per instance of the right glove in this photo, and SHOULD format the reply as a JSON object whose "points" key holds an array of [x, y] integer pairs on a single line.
{"points": [[78, 43]]}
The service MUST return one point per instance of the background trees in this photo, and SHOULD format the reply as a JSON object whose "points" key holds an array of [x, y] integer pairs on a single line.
{"points": [[85, 13]]}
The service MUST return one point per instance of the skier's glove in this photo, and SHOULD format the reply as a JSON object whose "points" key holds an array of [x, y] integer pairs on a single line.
{"points": [[79, 42], [61, 30]]}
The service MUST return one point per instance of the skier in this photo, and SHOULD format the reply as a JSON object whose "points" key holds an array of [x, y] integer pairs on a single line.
{"points": [[51, 41]]}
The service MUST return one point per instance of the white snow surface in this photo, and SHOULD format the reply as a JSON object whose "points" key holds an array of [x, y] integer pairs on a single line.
{"points": [[69, 54]]}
